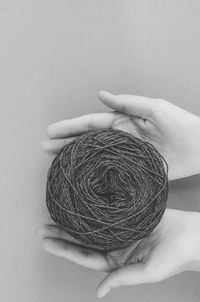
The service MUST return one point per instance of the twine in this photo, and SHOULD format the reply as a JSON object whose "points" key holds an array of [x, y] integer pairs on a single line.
{"points": [[107, 189]]}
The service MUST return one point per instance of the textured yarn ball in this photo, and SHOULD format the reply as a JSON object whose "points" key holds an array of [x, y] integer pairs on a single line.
{"points": [[107, 189]]}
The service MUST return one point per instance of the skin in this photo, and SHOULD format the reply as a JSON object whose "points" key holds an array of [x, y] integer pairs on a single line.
{"points": [[173, 131], [174, 245]]}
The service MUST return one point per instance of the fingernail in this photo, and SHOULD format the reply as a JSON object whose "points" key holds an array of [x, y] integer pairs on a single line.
{"points": [[103, 293]]}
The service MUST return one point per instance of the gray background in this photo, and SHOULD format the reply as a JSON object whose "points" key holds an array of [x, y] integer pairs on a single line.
{"points": [[54, 57]]}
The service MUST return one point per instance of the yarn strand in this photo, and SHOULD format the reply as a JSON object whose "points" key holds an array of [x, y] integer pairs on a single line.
{"points": [[107, 188]]}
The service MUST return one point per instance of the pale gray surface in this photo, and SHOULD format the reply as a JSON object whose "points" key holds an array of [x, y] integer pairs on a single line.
{"points": [[54, 57]]}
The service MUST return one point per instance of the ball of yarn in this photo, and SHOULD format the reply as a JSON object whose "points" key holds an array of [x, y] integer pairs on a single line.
{"points": [[107, 189]]}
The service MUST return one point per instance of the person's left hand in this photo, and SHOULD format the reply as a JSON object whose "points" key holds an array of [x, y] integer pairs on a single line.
{"points": [[171, 248]]}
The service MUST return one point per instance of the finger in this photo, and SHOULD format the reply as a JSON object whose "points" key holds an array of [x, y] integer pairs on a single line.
{"points": [[128, 275], [53, 146], [54, 231], [137, 106], [81, 124], [80, 255]]}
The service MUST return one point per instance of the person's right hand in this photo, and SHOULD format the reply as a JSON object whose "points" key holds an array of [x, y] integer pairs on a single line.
{"points": [[173, 131]]}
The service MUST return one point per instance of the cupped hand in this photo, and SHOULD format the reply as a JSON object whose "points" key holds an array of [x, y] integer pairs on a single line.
{"points": [[171, 248], [173, 131]]}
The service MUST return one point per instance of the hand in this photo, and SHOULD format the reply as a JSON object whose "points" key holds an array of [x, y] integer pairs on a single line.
{"points": [[173, 131], [171, 248]]}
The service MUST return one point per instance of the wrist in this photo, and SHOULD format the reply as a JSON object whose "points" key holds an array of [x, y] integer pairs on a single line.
{"points": [[193, 155], [194, 243]]}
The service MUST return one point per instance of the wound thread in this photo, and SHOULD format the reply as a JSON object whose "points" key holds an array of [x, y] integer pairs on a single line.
{"points": [[107, 189]]}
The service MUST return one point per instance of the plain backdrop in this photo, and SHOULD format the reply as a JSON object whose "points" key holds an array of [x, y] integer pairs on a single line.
{"points": [[54, 57]]}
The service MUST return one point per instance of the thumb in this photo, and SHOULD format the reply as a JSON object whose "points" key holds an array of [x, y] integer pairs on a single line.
{"points": [[137, 106], [128, 275]]}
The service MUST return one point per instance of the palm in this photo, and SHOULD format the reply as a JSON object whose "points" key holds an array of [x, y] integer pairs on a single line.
{"points": [[140, 128], [59, 242], [170, 249], [156, 249], [155, 131]]}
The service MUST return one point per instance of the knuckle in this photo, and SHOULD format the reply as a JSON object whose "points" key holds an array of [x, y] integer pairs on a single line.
{"points": [[157, 107], [155, 100], [159, 102]]}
